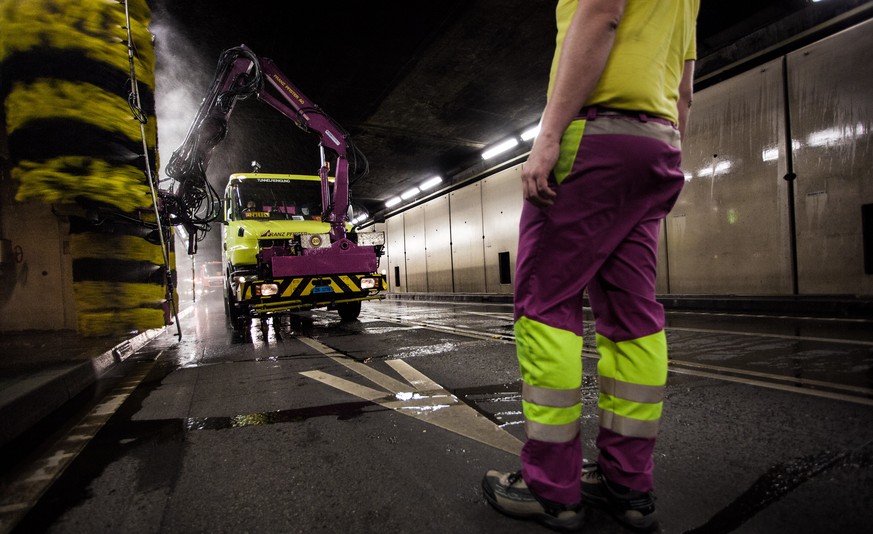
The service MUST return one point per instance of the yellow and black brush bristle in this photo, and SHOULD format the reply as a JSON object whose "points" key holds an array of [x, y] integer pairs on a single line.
{"points": [[74, 138]]}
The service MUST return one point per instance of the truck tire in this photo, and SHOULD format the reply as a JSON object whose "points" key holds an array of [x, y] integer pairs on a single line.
{"points": [[231, 312], [349, 311]]}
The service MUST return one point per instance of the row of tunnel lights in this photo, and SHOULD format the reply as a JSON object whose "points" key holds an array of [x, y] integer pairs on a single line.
{"points": [[489, 153], [819, 138]]}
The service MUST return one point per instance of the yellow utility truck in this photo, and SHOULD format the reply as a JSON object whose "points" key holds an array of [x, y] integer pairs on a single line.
{"points": [[279, 255], [288, 243]]}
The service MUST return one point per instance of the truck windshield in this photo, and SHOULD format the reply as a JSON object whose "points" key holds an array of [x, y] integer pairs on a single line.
{"points": [[276, 199]]}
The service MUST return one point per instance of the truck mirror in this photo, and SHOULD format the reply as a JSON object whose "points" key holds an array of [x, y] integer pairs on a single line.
{"points": [[357, 213]]}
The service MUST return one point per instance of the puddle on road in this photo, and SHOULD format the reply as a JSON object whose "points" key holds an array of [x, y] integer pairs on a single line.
{"points": [[501, 403], [342, 411], [426, 350]]}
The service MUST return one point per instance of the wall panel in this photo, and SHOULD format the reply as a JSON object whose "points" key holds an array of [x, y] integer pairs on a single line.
{"points": [[44, 269], [416, 262], [501, 209], [662, 282], [383, 259], [468, 255], [438, 245], [395, 249], [729, 230], [832, 128]]}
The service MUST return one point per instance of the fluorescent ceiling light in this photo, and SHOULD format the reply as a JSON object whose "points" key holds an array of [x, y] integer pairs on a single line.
{"points": [[831, 136], [409, 193], [430, 183], [719, 168], [770, 154], [393, 202], [500, 148], [530, 133]]}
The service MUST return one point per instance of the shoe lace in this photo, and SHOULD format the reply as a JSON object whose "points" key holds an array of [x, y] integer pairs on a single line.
{"points": [[594, 469], [550, 507]]}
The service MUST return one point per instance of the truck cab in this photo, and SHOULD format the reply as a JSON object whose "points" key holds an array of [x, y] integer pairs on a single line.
{"points": [[280, 256]]}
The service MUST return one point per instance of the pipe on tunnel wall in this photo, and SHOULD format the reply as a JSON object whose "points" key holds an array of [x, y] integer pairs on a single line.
{"points": [[76, 152]]}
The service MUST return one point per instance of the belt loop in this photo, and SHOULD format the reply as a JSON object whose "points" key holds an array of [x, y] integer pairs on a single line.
{"points": [[591, 113]]}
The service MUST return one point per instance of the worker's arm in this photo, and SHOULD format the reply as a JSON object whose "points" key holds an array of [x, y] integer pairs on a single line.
{"points": [[686, 93], [584, 54]]}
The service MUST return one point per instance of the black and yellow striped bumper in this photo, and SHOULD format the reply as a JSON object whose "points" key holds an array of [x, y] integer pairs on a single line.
{"points": [[308, 292]]}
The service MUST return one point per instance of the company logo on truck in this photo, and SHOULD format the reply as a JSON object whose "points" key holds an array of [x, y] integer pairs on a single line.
{"points": [[270, 233]]}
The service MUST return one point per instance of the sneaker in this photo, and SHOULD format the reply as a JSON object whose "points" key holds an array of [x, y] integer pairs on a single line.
{"points": [[633, 509], [509, 495]]}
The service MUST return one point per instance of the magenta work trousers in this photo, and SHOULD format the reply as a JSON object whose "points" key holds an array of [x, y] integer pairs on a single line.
{"points": [[619, 182]]}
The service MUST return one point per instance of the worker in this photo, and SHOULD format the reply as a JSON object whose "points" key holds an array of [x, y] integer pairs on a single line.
{"points": [[602, 174]]}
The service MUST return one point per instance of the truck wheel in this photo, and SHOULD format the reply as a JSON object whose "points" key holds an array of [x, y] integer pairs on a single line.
{"points": [[349, 311], [232, 313]]}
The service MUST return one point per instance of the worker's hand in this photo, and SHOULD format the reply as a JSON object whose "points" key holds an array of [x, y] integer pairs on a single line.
{"points": [[535, 173]]}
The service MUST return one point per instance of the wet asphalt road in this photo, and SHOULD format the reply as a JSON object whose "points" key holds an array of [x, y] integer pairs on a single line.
{"points": [[387, 424]]}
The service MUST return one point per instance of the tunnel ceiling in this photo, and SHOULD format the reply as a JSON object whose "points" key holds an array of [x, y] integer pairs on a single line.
{"points": [[422, 87]]}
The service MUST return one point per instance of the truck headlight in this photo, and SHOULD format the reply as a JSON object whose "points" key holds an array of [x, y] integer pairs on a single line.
{"points": [[369, 239], [368, 283], [266, 290]]}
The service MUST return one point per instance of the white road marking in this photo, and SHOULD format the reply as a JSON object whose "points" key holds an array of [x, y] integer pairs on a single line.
{"points": [[509, 317], [771, 376], [421, 398], [780, 387], [775, 336], [718, 371]]}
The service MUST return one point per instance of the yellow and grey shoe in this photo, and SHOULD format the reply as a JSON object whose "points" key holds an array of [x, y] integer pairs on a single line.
{"points": [[633, 509], [509, 495]]}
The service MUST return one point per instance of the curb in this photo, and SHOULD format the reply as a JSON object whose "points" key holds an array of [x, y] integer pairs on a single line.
{"points": [[27, 402]]}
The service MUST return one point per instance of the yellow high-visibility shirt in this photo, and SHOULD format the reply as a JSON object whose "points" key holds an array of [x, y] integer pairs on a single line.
{"points": [[654, 39]]}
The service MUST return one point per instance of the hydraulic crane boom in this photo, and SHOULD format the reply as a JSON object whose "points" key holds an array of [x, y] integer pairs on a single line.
{"points": [[280, 254], [241, 74]]}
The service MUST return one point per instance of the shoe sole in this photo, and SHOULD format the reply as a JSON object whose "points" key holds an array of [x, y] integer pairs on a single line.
{"points": [[544, 519], [600, 502], [650, 525]]}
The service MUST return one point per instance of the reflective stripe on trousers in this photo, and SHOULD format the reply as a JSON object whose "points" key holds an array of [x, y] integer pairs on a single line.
{"points": [[632, 375]]}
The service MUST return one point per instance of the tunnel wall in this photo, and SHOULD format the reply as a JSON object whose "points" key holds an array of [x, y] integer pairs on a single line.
{"points": [[741, 226]]}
